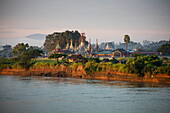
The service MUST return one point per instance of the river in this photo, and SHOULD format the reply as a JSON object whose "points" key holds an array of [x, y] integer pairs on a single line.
{"points": [[70, 95]]}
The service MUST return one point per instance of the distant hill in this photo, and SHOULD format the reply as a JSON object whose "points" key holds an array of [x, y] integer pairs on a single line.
{"points": [[154, 45], [37, 36]]}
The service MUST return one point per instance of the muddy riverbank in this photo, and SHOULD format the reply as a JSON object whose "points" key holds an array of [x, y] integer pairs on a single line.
{"points": [[115, 76]]}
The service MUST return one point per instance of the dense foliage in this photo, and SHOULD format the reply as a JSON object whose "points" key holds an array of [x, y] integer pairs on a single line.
{"points": [[62, 39], [164, 70], [140, 65], [165, 49], [57, 56], [23, 55], [143, 65], [126, 40], [137, 55], [5, 63]]}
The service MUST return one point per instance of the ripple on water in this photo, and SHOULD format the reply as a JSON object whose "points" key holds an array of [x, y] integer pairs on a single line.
{"points": [[69, 95]]}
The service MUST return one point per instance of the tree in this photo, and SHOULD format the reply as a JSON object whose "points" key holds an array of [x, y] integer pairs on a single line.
{"points": [[165, 49], [97, 60], [142, 65], [137, 55], [56, 56], [23, 55], [61, 38], [19, 49], [127, 40], [149, 69], [25, 61], [90, 67], [35, 53]]}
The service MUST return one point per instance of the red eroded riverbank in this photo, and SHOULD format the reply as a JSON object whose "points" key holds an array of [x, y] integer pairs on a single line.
{"points": [[116, 76]]}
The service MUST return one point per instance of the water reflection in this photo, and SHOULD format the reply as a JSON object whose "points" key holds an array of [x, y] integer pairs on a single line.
{"points": [[25, 78], [75, 81], [134, 86], [69, 95]]}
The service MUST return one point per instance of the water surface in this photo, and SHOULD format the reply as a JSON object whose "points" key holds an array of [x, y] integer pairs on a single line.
{"points": [[69, 95]]}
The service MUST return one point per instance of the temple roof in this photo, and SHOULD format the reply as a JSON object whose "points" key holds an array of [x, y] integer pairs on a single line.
{"points": [[58, 47], [104, 52]]}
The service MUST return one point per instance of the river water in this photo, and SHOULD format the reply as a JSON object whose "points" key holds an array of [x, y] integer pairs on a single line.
{"points": [[69, 95]]}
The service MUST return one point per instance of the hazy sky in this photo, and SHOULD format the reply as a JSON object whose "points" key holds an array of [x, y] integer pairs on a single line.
{"points": [[107, 20]]}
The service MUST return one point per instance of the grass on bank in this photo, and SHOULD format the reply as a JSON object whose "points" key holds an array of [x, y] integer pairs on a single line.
{"points": [[144, 65]]}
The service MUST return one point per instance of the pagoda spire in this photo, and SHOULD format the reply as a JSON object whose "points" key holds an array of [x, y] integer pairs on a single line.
{"points": [[97, 46], [107, 46], [75, 46], [71, 45], [89, 45], [82, 44], [67, 46]]}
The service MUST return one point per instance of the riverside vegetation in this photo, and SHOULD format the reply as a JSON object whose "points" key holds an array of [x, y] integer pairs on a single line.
{"points": [[137, 68]]}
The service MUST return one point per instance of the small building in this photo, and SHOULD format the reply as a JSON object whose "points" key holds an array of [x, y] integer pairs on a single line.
{"points": [[120, 53], [6, 51], [7, 47], [102, 54], [147, 53], [76, 58], [111, 53], [113, 60]]}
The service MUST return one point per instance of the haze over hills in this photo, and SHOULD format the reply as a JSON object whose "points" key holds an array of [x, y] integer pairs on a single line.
{"points": [[36, 36], [33, 40], [105, 20]]}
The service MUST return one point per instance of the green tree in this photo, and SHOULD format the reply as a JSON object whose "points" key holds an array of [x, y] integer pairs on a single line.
{"points": [[137, 55], [165, 60], [126, 40], [5, 63], [164, 70], [23, 55], [61, 38], [97, 60], [57, 56], [90, 67], [20, 49], [149, 69], [143, 65], [25, 61], [35, 53], [164, 49]]}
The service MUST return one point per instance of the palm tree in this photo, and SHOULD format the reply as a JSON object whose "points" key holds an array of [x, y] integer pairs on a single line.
{"points": [[127, 40]]}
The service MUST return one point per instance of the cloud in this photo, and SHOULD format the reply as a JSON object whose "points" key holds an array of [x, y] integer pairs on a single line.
{"points": [[6, 32]]}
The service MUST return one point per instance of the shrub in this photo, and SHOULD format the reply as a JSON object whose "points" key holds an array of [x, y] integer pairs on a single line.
{"points": [[137, 55], [90, 67], [115, 67], [149, 69], [164, 70], [122, 68], [5, 63], [97, 60], [143, 65], [41, 65], [75, 65]]}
